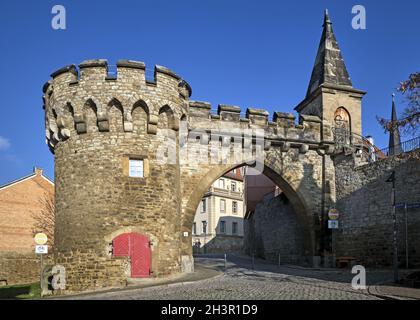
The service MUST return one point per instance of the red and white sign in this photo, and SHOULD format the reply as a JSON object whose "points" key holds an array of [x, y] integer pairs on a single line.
{"points": [[333, 214]]}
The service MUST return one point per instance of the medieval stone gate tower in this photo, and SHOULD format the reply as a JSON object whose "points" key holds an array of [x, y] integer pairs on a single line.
{"points": [[95, 126], [105, 132]]}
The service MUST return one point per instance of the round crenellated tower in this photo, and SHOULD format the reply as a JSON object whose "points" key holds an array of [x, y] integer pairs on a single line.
{"points": [[116, 205]]}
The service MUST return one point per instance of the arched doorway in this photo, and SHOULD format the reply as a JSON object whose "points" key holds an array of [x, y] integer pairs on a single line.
{"points": [[137, 247]]}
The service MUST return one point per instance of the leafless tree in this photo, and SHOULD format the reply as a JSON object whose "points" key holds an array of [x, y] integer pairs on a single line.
{"points": [[410, 118], [45, 218]]}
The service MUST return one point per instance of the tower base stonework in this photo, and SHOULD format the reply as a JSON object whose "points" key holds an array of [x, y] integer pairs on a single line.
{"points": [[95, 126]]}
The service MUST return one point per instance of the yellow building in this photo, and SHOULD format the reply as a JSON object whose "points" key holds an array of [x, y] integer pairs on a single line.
{"points": [[218, 222]]}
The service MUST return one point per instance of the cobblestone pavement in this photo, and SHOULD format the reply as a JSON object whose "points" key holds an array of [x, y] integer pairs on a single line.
{"points": [[244, 280]]}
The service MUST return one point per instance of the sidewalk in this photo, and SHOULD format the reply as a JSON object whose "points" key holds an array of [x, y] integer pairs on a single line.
{"points": [[394, 292], [200, 273]]}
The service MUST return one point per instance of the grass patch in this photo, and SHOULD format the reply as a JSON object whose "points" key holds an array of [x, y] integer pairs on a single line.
{"points": [[24, 291]]}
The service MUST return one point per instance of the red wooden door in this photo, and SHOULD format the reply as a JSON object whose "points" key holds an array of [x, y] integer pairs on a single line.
{"points": [[137, 247]]}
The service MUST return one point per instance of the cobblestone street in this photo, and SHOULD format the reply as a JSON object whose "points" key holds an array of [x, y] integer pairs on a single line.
{"points": [[265, 281]]}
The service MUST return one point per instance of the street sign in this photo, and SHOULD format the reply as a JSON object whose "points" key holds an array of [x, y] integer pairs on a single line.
{"points": [[41, 238], [41, 249], [332, 224], [413, 205], [333, 214]]}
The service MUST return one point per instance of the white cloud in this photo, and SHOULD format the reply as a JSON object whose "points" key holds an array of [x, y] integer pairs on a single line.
{"points": [[4, 143]]}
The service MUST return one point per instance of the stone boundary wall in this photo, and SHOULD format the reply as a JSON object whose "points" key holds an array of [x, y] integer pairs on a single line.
{"points": [[18, 268], [224, 244], [273, 229], [364, 203]]}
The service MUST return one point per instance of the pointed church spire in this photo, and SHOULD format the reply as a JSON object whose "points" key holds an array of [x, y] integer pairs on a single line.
{"points": [[326, 18], [394, 134], [329, 65]]}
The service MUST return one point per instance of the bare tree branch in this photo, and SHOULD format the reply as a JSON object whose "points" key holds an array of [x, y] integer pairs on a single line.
{"points": [[410, 122], [45, 218]]}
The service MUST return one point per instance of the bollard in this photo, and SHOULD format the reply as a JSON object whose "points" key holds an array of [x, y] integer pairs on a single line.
{"points": [[225, 261], [253, 262], [279, 260]]}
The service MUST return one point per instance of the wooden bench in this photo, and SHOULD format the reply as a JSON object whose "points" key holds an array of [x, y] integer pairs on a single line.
{"points": [[345, 262]]}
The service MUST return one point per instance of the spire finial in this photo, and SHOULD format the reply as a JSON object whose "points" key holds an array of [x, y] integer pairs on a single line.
{"points": [[326, 17], [394, 133]]}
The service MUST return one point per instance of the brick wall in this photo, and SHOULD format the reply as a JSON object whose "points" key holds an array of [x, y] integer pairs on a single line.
{"points": [[18, 203]]}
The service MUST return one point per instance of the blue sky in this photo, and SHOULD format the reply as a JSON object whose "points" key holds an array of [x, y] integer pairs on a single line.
{"points": [[247, 53]]}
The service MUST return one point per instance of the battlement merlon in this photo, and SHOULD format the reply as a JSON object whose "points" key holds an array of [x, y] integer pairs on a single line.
{"points": [[130, 71], [282, 126]]}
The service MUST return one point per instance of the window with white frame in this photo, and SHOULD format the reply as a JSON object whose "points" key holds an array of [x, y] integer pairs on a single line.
{"points": [[222, 205], [203, 205], [204, 226], [222, 183], [233, 186], [136, 168], [234, 207]]}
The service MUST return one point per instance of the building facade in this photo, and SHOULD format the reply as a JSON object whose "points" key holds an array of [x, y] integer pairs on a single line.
{"points": [[218, 222], [21, 205]]}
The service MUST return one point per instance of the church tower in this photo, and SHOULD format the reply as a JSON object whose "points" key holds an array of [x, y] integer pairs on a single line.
{"points": [[330, 93], [394, 134]]}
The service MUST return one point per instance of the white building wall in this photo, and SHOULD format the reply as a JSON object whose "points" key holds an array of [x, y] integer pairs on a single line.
{"points": [[221, 189]]}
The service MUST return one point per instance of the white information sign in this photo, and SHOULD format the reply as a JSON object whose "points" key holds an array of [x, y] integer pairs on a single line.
{"points": [[41, 249], [332, 224]]}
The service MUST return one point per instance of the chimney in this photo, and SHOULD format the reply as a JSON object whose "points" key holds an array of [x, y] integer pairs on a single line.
{"points": [[370, 140], [38, 171]]}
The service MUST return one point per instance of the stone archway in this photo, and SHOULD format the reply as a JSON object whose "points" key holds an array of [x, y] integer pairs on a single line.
{"points": [[295, 179]]}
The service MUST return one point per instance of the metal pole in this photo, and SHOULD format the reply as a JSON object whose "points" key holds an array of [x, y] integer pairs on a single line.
{"points": [[394, 217], [406, 236], [225, 261], [332, 245], [253, 267], [40, 276]]}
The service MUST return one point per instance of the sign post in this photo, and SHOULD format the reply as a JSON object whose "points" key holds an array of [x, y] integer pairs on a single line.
{"points": [[406, 236], [41, 248], [333, 216], [394, 218]]}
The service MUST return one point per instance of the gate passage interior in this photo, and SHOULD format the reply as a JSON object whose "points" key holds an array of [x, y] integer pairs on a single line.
{"points": [[137, 247]]}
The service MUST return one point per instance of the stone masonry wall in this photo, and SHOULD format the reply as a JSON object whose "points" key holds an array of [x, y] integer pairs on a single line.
{"points": [[273, 229], [96, 122], [364, 203], [224, 244], [18, 268]]}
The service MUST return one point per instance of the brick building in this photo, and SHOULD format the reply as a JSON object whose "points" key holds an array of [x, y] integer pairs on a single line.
{"points": [[20, 201]]}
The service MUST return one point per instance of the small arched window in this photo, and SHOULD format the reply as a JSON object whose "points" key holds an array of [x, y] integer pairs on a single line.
{"points": [[342, 119]]}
